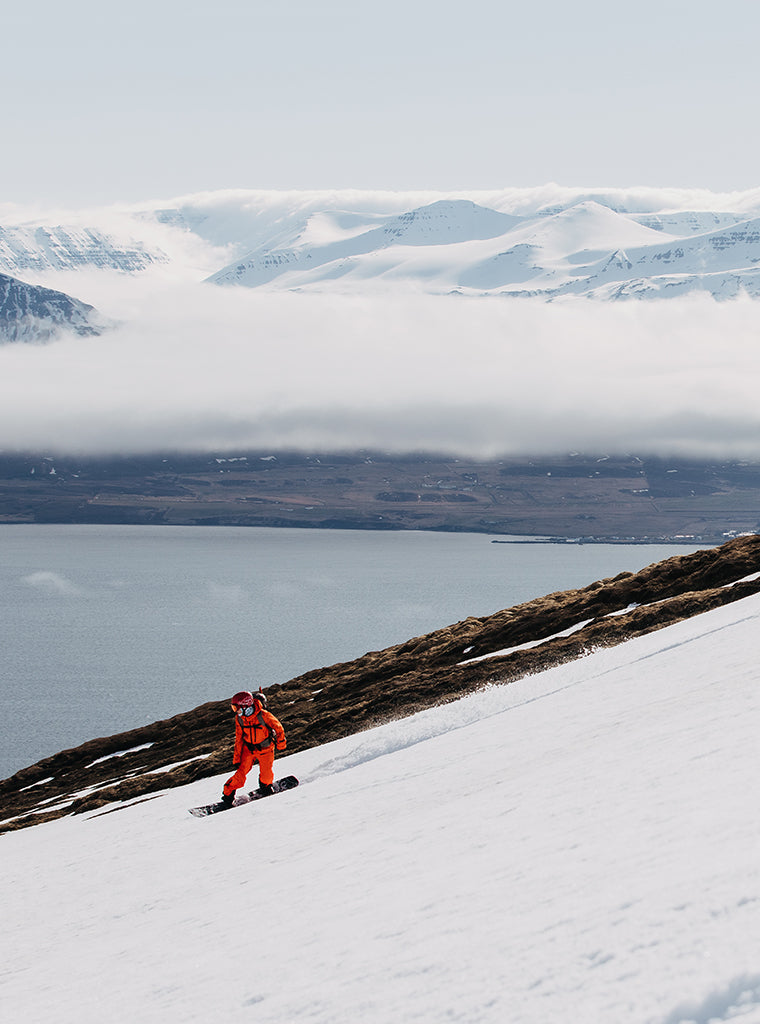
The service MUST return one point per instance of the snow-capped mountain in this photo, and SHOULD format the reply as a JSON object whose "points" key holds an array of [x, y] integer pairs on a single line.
{"points": [[442, 224], [724, 262], [38, 247], [547, 242], [587, 249], [29, 313]]}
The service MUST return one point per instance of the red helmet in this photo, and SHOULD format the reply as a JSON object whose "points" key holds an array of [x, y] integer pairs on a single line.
{"points": [[243, 699]]}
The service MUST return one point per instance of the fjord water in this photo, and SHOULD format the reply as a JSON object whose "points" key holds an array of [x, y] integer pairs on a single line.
{"points": [[106, 628]]}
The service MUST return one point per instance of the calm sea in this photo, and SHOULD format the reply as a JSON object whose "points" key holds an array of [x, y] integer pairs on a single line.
{"points": [[107, 628]]}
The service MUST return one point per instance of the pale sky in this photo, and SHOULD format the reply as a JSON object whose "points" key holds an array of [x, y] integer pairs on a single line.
{"points": [[147, 100]]}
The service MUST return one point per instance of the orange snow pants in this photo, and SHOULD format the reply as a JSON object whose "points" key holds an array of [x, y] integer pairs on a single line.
{"points": [[247, 760]]}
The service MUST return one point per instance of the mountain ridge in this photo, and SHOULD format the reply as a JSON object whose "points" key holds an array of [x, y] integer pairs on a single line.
{"points": [[546, 243]]}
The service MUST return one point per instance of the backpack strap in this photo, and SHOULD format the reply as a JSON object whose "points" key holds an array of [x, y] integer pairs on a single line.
{"points": [[255, 718]]}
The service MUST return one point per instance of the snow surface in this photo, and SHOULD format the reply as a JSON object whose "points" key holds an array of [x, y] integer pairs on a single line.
{"points": [[119, 753], [580, 846]]}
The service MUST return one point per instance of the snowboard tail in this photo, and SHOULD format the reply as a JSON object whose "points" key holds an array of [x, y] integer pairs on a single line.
{"points": [[289, 782]]}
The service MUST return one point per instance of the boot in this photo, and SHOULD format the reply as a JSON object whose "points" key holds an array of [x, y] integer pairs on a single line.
{"points": [[266, 789], [228, 798]]}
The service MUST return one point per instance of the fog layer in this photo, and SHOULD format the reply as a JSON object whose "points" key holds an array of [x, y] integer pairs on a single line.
{"points": [[196, 367]]}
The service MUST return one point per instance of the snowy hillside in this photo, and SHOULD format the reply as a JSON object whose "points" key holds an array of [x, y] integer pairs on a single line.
{"points": [[546, 242], [586, 249], [581, 845], [444, 224]]}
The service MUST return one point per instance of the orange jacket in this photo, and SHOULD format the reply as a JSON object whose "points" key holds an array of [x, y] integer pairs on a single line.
{"points": [[257, 730]]}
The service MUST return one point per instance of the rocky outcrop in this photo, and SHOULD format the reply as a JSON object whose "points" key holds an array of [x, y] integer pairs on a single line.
{"points": [[333, 702], [29, 313]]}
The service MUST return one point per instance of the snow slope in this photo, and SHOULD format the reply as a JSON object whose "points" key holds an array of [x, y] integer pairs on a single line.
{"points": [[582, 845]]}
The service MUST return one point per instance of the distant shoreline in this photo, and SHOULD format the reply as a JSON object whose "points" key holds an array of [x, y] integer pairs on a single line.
{"points": [[575, 498]]}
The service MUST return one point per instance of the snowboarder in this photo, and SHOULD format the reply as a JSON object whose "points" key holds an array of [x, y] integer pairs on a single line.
{"points": [[257, 735]]}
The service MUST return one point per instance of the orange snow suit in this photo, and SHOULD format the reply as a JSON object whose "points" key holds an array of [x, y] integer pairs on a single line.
{"points": [[257, 734]]}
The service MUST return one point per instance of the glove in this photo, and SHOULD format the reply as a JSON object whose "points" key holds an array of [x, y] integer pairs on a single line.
{"points": [[280, 749]]}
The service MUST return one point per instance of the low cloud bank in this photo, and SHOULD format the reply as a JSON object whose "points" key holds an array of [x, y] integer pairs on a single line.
{"points": [[195, 367]]}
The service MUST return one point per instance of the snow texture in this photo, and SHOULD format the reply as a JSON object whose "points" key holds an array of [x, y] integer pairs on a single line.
{"points": [[582, 845]]}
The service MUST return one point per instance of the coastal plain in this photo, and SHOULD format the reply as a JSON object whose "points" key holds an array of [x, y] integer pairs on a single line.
{"points": [[591, 498]]}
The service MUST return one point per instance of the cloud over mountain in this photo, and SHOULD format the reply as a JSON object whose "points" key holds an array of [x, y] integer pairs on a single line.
{"points": [[353, 343], [209, 368]]}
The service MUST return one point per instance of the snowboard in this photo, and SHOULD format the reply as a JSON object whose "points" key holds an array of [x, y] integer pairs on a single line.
{"points": [[289, 782]]}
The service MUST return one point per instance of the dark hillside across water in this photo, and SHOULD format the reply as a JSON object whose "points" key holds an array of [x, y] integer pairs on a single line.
{"points": [[339, 700], [592, 498]]}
